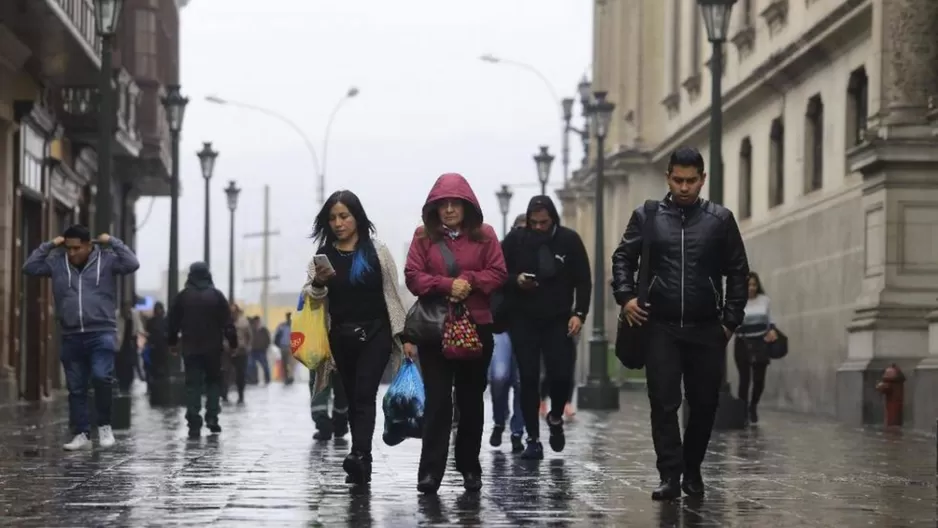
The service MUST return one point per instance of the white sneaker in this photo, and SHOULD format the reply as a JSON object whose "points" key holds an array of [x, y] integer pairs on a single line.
{"points": [[81, 441], [105, 436]]}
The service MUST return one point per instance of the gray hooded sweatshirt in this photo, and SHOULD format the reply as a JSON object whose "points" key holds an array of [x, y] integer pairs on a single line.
{"points": [[85, 300]]}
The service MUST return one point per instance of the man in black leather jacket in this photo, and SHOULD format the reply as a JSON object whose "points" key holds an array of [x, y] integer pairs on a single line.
{"points": [[695, 243]]}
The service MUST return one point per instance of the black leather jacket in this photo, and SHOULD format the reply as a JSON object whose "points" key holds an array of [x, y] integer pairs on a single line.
{"points": [[693, 248]]}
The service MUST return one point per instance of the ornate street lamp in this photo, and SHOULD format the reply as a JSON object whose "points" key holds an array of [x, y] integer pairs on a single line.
{"points": [[504, 204], [107, 16], [543, 160], [207, 158], [232, 192], [175, 105], [731, 412], [599, 392], [585, 89]]}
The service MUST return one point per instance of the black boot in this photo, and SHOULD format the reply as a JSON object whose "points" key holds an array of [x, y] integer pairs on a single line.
{"points": [[557, 439], [534, 451], [693, 484], [517, 444], [428, 485], [753, 416], [472, 481], [358, 468], [669, 489], [496, 439], [339, 425]]}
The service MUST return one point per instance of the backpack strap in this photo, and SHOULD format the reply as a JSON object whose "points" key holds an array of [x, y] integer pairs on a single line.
{"points": [[451, 266]]}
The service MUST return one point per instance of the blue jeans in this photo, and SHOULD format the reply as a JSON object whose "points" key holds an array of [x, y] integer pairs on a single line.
{"points": [[88, 359], [503, 375], [259, 356]]}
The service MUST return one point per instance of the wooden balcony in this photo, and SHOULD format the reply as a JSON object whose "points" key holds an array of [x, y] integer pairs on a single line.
{"points": [[77, 106]]}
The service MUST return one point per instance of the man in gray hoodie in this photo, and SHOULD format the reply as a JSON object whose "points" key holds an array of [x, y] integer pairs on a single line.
{"points": [[85, 289]]}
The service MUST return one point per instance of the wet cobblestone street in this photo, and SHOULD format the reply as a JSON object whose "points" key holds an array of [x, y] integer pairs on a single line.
{"points": [[265, 470]]}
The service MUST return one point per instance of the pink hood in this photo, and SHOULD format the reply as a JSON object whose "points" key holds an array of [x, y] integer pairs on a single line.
{"points": [[451, 185]]}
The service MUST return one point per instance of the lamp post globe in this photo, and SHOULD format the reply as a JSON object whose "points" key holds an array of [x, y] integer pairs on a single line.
{"points": [[207, 158], [232, 192], [175, 104], [543, 160], [716, 17], [584, 89], [602, 112], [567, 106], [107, 15], [504, 205]]}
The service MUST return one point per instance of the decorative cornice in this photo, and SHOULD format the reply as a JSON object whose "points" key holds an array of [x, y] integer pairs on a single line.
{"points": [[672, 103], [744, 40], [776, 15], [692, 86]]}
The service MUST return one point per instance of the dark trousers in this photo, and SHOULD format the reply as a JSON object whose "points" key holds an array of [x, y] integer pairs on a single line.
{"points": [[203, 376], [319, 404], [259, 357], [751, 369], [542, 340], [696, 353], [239, 365], [361, 363], [88, 358], [469, 379]]}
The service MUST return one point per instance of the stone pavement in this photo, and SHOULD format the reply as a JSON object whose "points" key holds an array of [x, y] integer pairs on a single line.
{"points": [[264, 470]]}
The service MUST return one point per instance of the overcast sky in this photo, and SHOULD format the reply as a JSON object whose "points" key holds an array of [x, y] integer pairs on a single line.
{"points": [[427, 106]]}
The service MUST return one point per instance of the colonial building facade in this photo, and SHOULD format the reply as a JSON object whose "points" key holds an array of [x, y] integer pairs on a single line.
{"points": [[831, 166], [50, 60]]}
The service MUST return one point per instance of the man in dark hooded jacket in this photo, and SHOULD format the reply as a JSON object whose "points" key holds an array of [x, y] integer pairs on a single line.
{"points": [[201, 314], [548, 290]]}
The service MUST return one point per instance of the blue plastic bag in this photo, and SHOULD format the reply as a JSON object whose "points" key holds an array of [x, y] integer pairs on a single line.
{"points": [[403, 405]]}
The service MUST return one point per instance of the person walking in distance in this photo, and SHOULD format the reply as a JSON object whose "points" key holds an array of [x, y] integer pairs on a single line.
{"points": [[259, 346], [200, 313], [549, 287], [84, 286], [454, 255], [239, 353], [695, 244], [358, 281], [282, 341], [751, 349]]}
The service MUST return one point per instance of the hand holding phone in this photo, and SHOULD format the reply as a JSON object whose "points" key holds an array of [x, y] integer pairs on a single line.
{"points": [[324, 268], [527, 281]]}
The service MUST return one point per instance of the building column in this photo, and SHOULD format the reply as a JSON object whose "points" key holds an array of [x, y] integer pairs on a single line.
{"points": [[899, 161]]}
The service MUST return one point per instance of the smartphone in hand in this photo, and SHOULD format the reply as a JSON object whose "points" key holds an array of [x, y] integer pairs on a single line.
{"points": [[322, 261]]}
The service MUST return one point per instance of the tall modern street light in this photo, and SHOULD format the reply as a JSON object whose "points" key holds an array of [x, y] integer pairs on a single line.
{"points": [[543, 160], [599, 392], [731, 412], [107, 17], [320, 168], [504, 206], [175, 105], [207, 158], [232, 192]]}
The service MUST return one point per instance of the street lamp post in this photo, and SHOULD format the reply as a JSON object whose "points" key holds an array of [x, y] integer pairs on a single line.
{"points": [[232, 192], [543, 160], [107, 17], [585, 89], [599, 393], [731, 412], [504, 204], [207, 158], [175, 105]]}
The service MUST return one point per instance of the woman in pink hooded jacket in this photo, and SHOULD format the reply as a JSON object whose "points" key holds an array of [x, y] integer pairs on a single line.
{"points": [[452, 216]]}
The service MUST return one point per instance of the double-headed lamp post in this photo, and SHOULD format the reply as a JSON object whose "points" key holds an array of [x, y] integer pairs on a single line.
{"points": [[504, 205], [731, 412], [175, 105], [107, 16], [207, 158], [543, 160], [232, 192], [599, 393]]}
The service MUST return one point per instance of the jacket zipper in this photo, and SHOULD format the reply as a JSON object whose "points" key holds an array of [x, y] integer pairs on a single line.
{"points": [[716, 294], [81, 315], [652, 283], [682, 269]]}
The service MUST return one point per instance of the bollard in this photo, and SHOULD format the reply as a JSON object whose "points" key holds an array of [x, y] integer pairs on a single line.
{"points": [[892, 387]]}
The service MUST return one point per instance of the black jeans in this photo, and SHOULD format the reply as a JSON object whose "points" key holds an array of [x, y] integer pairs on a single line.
{"points": [[240, 365], [534, 341], [751, 367], [203, 376], [469, 379], [696, 353], [361, 360]]}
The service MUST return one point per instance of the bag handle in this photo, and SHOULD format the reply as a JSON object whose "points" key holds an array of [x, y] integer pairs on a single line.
{"points": [[644, 268], [449, 259]]}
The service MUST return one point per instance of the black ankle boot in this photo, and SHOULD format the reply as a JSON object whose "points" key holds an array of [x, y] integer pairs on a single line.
{"points": [[669, 489], [753, 416], [358, 468], [693, 484], [428, 485], [472, 481]]}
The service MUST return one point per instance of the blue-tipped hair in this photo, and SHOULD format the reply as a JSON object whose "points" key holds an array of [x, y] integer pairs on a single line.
{"points": [[323, 234]]}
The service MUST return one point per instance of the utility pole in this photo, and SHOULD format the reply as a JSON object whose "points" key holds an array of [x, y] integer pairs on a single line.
{"points": [[266, 279]]}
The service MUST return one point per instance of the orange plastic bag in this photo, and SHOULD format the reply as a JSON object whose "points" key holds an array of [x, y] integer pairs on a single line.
{"points": [[309, 338]]}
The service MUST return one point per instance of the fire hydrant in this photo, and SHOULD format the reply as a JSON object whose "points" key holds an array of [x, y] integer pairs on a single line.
{"points": [[892, 386]]}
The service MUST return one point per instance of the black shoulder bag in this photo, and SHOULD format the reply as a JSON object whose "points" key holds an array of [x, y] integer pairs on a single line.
{"points": [[424, 322], [630, 339]]}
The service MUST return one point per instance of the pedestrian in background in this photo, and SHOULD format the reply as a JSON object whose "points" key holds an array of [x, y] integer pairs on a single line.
{"points": [[238, 354], [84, 286], [751, 349], [358, 281], [200, 320], [260, 345], [282, 341], [453, 230]]}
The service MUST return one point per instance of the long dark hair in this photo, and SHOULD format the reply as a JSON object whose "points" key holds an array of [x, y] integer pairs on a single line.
{"points": [[322, 232], [759, 289], [471, 221]]}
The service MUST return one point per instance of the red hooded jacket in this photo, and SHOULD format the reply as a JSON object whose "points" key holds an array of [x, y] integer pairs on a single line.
{"points": [[480, 263]]}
